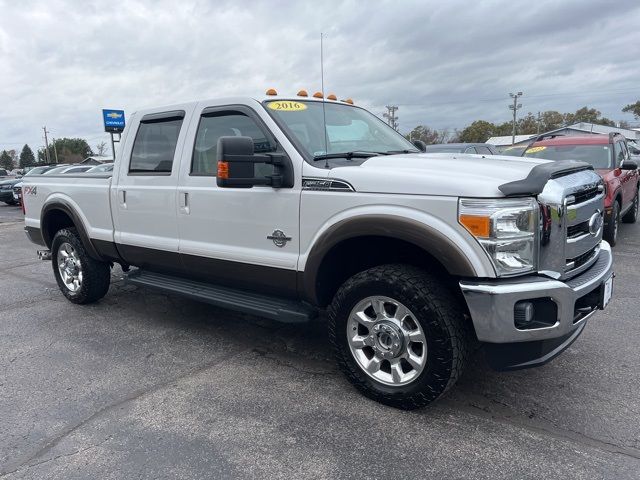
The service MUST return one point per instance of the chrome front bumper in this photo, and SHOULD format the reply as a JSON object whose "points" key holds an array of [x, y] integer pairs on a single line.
{"points": [[491, 302]]}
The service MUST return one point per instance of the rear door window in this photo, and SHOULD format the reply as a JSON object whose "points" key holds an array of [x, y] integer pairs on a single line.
{"points": [[483, 150], [155, 147]]}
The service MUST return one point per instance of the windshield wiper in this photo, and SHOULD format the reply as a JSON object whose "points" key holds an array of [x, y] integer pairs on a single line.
{"points": [[392, 152], [347, 155]]}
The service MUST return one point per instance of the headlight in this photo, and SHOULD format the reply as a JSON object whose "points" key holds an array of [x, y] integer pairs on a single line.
{"points": [[506, 229]]}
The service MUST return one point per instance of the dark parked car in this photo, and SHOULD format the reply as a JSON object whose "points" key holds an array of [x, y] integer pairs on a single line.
{"points": [[480, 148], [6, 190]]}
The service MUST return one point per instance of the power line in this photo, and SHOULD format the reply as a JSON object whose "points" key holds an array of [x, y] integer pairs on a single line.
{"points": [[544, 95]]}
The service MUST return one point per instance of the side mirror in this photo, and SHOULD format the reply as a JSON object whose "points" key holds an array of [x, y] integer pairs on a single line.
{"points": [[420, 145], [629, 165], [236, 165]]}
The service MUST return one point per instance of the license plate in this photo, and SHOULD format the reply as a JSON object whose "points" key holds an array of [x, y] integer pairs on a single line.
{"points": [[607, 291]]}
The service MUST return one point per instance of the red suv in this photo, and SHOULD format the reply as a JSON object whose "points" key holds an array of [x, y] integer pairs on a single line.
{"points": [[610, 157]]}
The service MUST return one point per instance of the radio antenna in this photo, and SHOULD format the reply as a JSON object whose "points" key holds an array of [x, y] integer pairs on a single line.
{"points": [[324, 113]]}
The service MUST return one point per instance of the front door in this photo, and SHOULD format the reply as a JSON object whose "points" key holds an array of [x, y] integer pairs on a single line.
{"points": [[240, 237]]}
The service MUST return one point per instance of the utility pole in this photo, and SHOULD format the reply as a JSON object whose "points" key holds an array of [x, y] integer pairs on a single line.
{"points": [[392, 120], [538, 123], [515, 107], [55, 150], [46, 144]]}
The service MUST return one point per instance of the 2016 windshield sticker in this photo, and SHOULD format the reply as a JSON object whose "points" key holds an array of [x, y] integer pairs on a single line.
{"points": [[535, 149], [287, 106]]}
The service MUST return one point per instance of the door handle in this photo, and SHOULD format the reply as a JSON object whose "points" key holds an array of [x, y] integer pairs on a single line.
{"points": [[184, 202], [123, 198]]}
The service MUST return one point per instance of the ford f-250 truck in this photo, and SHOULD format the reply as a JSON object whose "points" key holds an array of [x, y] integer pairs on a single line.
{"points": [[287, 207]]}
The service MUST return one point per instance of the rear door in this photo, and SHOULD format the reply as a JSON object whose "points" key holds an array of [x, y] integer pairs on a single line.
{"points": [[240, 237], [145, 213]]}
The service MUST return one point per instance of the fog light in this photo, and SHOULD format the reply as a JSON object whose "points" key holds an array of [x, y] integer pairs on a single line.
{"points": [[523, 313]]}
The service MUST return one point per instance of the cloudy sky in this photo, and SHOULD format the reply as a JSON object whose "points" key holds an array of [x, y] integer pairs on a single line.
{"points": [[444, 63]]}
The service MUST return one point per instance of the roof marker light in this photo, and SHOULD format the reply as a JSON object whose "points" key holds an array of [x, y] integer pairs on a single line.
{"points": [[348, 100], [303, 93], [272, 92], [332, 96], [318, 95]]}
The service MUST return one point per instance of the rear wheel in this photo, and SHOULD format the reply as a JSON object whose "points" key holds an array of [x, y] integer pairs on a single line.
{"points": [[398, 335], [632, 215], [611, 229], [80, 278]]}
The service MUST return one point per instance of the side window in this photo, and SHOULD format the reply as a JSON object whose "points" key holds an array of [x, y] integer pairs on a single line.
{"points": [[483, 150], [618, 153], [226, 124], [155, 146], [625, 151], [470, 150]]}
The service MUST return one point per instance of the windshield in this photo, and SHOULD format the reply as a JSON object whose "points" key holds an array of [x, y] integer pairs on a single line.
{"points": [[36, 171], [597, 155], [513, 151], [56, 170], [349, 129], [444, 149]]}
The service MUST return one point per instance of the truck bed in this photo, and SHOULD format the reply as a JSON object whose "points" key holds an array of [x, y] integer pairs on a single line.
{"points": [[87, 194]]}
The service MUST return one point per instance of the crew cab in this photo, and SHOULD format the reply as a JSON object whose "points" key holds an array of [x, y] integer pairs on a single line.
{"points": [[294, 207], [611, 158]]}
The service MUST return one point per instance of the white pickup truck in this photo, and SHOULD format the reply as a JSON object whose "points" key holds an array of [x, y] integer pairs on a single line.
{"points": [[290, 207]]}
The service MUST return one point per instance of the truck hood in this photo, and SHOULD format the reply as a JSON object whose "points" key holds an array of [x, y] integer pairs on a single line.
{"points": [[446, 174]]}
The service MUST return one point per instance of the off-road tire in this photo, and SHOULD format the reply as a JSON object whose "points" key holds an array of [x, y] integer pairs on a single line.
{"points": [[440, 314], [632, 215], [610, 233], [96, 274]]}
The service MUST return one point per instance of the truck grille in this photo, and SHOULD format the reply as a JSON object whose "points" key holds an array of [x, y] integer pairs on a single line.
{"points": [[580, 260], [574, 231], [586, 194], [569, 207]]}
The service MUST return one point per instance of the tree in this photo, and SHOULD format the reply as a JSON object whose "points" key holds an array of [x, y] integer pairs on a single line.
{"points": [[101, 148], [424, 133], [42, 156], [587, 115], [527, 125], [6, 161], [551, 120], [478, 132], [69, 150], [27, 159], [633, 108]]}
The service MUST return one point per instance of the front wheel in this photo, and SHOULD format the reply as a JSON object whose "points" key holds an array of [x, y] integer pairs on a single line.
{"points": [[632, 215], [80, 278], [398, 335], [611, 229]]}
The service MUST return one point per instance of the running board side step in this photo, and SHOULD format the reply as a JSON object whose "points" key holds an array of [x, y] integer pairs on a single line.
{"points": [[275, 308]]}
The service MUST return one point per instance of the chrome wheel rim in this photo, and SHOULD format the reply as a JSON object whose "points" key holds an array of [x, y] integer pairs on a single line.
{"points": [[387, 341], [69, 267]]}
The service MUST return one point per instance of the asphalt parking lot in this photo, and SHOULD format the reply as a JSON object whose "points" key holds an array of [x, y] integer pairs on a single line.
{"points": [[144, 385]]}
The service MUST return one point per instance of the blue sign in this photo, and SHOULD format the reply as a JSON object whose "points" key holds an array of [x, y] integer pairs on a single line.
{"points": [[113, 120]]}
